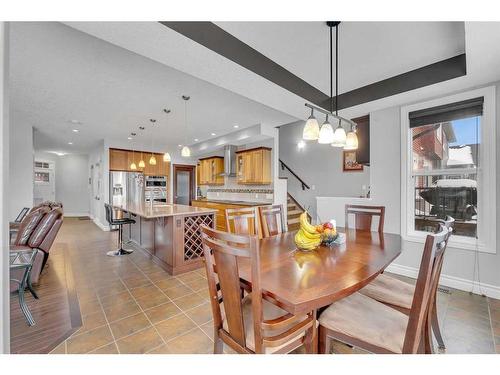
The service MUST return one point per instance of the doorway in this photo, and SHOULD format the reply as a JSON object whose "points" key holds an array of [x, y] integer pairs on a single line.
{"points": [[184, 184], [44, 188]]}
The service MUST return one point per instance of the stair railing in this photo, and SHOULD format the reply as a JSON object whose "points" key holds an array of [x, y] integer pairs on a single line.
{"points": [[283, 166]]}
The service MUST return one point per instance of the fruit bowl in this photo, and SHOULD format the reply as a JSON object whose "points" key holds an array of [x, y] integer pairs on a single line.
{"points": [[328, 233]]}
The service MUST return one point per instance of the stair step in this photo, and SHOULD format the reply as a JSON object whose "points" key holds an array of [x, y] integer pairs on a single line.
{"points": [[291, 205], [294, 214], [295, 220]]}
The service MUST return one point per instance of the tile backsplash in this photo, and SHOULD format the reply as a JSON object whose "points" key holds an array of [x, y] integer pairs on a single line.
{"points": [[232, 191]]}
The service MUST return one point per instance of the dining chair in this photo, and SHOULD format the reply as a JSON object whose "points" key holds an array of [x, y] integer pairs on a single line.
{"points": [[363, 216], [242, 221], [363, 322], [399, 294], [271, 219], [252, 324]]}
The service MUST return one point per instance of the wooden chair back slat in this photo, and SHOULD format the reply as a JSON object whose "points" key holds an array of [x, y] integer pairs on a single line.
{"points": [[272, 220], [434, 248], [363, 216], [242, 221], [221, 251]]}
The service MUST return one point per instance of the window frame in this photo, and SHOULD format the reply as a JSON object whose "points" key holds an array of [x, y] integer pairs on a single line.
{"points": [[486, 174]]}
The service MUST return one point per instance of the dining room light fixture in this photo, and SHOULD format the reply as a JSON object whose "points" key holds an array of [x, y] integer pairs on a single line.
{"points": [[311, 128], [326, 132], [185, 152], [166, 155], [351, 142], [312, 131]]}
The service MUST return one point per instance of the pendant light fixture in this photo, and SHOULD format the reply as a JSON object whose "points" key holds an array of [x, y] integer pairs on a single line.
{"points": [[326, 132], [351, 142], [152, 159], [185, 152], [311, 128], [132, 165], [166, 155], [141, 162], [326, 135]]}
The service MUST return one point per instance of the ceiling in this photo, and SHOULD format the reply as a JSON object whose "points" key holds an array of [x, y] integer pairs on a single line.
{"points": [[113, 76], [368, 51], [59, 74]]}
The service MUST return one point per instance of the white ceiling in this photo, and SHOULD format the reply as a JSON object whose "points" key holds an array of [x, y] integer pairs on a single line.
{"points": [[59, 74], [368, 51], [76, 76]]}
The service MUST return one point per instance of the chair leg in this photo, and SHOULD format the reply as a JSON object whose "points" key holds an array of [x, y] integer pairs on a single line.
{"points": [[427, 337], [218, 345], [324, 341], [311, 337], [121, 250], [435, 327]]}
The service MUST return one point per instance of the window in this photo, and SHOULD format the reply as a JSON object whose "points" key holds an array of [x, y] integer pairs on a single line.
{"points": [[449, 168]]}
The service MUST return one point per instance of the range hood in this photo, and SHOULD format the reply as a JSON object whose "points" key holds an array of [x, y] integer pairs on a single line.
{"points": [[229, 161]]}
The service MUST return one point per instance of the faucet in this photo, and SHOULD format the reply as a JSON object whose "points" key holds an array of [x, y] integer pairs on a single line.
{"points": [[152, 196]]}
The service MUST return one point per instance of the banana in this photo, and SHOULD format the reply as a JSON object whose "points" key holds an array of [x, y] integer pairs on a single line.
{"points": [[305, 243], [306, 225], [315, 236]]}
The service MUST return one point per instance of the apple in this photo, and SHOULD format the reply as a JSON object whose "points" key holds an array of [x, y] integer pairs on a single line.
{"points": [[328, 226]]}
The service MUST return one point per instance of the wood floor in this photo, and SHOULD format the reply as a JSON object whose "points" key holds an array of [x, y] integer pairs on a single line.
{"points": [[56, 312], [131, 305]]}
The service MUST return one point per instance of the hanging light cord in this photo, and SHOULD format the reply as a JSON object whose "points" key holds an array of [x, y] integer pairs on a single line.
{"points": [[336, 69], [331, 72]]}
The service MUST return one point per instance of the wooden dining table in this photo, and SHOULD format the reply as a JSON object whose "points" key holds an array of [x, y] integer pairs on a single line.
{"points": [[301, 282]]}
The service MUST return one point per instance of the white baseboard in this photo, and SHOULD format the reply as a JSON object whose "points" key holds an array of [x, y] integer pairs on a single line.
{"points": [[450, 281], [100, 225], [76, 214]]}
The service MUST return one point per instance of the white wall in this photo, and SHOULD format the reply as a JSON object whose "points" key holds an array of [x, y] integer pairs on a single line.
{"points": [[21, 167], [319, 166], [4, 191], [458, 269]]}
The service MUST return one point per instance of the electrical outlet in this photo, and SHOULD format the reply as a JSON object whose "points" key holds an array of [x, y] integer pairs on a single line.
{"points": [[313, 187]]}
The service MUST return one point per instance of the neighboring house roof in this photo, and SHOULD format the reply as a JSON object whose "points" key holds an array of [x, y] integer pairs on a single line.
{"points": [[460, 156]]}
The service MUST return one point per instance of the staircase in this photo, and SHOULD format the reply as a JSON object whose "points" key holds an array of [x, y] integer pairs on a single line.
{"points": [[293, 212]]}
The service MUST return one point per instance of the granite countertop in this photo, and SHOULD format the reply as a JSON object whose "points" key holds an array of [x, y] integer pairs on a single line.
{"points": [[239, 203], [162, 210]]}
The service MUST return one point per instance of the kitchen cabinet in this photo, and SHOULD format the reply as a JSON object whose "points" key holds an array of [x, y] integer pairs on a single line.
{"points": [[363, 132], [253, 166], [210, 170], [220, 217], [120, 160]]}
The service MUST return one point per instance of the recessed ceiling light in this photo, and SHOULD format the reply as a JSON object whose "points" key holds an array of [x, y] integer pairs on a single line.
{"points": [[236, 126], [212, 134], [179, 145], [70, 143], [75, 130], [129, 138], [196, 139]]}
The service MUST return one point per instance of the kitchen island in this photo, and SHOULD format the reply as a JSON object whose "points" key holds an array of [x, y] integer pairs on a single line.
{"points": [[169, 233]]}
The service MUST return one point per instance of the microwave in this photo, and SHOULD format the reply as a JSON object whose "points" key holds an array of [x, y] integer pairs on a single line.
{"points": [[156, 181]]}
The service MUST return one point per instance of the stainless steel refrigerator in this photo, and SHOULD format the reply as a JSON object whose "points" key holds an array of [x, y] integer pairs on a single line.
{"points": [[126, 188]]}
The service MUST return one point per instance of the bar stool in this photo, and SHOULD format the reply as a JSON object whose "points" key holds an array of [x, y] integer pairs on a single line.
{"points": [[120, 223]]}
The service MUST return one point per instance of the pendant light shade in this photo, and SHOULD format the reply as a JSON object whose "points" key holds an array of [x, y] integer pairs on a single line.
{"points": [[166, 157], [339, 137], [351, 142], [326, 133], [142, 164], [311, 129], [152, 160], [185, 152], [133, 166]]}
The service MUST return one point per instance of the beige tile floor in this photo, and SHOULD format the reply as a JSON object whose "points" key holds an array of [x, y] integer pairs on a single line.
{"points": [[131, 305]]}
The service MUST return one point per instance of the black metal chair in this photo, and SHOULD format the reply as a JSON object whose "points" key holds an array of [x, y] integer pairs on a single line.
{"points": [[119, 222]]}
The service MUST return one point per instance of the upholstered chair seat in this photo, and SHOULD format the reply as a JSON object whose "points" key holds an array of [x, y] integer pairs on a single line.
{"points": [[362, 318], [389, 290], [270, 311]]}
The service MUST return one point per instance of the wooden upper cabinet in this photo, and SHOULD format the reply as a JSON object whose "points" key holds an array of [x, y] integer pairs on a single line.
{"points": [[120, 160], [253, 167], [210, 170]]}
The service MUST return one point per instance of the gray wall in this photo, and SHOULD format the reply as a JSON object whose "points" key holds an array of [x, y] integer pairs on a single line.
{"points": [[21, 167], [320, 166]]}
